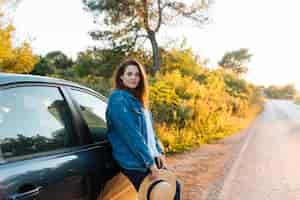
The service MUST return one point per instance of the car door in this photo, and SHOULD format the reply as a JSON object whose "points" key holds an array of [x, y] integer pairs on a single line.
{"points": [[40, 146], [97, 157]]}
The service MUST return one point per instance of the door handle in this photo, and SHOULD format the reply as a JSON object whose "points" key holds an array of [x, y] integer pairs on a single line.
{"points": [[28, 195]]}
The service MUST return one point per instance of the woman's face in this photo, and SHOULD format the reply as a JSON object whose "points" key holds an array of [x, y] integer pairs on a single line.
{"points": [[131, 77]]}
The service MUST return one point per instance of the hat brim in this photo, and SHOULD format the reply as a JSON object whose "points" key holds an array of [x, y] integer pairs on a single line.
{"points": [[164, 175]]}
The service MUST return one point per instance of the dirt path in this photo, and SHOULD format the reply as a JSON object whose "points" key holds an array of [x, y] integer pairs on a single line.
{"points": [[201, 172]]}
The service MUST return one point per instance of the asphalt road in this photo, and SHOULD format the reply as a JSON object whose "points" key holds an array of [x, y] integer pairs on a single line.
{"points": [[268, 164]]}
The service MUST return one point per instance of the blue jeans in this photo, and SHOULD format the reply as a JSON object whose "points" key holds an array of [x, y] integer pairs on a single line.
{"points": [[136, 178]]}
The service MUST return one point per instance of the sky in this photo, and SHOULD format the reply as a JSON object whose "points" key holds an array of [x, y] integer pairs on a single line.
{"points": [[268, 28]]}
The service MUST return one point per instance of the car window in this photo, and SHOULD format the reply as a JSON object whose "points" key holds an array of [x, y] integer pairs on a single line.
{"points": [[93, 111], [33, 120]]}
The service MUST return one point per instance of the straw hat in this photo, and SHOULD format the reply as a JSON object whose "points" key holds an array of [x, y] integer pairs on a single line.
{"points": [[164, 187]]}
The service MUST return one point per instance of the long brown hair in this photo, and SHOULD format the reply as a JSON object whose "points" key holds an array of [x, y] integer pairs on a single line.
{"points": [[141, 92]]}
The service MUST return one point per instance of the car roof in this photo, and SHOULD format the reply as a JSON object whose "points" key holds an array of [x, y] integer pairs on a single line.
{"points": [[9, 78]]}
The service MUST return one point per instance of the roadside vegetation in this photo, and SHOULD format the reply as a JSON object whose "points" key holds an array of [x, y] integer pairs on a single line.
{"points": [[297, 100], [286, 92], [281, 92]]}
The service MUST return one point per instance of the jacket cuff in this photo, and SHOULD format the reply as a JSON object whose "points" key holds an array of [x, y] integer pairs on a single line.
{"points": [[149, 163]]}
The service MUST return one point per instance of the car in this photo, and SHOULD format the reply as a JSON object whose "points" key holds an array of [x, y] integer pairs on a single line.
{"points": [[53, 142]]}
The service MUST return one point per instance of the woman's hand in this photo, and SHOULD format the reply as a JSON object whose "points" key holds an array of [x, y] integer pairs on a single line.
{"points": [[153, 172], [161, 162]]}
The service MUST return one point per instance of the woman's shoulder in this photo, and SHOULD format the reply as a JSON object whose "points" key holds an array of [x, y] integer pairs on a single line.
{"points": [[115, 95], [115, 92], [118, 95]]}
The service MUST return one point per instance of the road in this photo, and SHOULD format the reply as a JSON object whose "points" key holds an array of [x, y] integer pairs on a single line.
{"points": [[268, 164]]}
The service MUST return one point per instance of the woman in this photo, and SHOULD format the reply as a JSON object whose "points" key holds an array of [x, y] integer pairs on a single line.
{"points": [[130, 126]]}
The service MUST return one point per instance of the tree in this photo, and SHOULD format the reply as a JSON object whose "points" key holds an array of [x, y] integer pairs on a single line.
{"points": [[8, 5], [129, 20], [285, 92], [236, 61], [100, 62], [289, 91], [235, 87], [14, 59], [59, 60], [53, 62]]}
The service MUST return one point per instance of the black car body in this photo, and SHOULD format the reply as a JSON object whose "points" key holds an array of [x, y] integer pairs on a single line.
{"points": [[52, 140]]}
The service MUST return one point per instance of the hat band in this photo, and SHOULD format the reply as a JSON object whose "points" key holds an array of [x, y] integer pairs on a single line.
{"points": [[151, 188]]}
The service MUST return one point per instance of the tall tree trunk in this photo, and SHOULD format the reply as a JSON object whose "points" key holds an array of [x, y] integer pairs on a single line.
{"points": [[155, 52]]}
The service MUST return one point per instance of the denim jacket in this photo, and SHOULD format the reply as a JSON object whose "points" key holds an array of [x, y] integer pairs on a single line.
{"points": [[127, 131]]}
